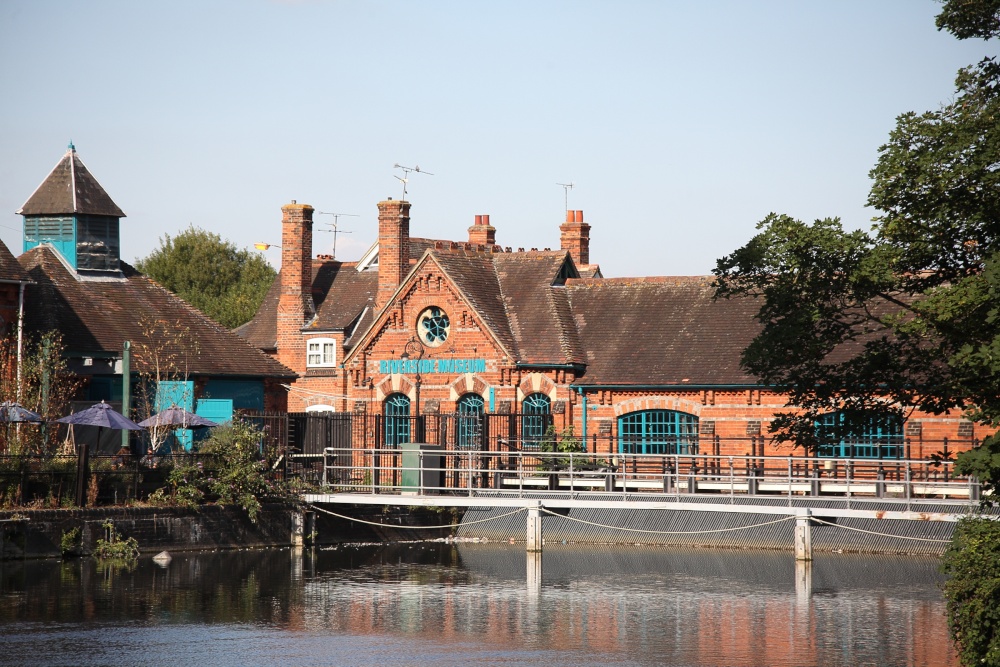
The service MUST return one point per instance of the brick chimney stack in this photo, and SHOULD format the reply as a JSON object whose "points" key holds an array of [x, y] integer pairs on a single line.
{"points": [[574, 237], [481, 233], [393, 247], [295, 304]]}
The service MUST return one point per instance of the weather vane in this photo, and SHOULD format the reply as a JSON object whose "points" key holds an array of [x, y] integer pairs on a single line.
{"points": [[336, 219], [405, 178], [566, 188]]}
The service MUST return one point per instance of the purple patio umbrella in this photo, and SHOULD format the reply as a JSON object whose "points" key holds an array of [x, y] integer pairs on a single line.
{"points": [[101, 415], [177, 417], [15, 413]]}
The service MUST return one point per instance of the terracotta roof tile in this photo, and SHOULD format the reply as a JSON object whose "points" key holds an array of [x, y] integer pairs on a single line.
{"points": [[96, 316], [661, 331], [340, 294], [70, 189], [539, 320], [9, 268]]}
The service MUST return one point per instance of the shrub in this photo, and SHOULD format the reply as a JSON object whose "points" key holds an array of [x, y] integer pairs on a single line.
{"points": [[69, 543], [113, 547], [972, 591]]}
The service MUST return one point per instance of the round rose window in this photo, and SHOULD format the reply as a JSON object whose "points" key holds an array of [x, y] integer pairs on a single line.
{"points": [[433, 326]]}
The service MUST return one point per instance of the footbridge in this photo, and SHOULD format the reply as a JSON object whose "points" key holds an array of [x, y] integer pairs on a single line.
{"points": [[895, 506]]}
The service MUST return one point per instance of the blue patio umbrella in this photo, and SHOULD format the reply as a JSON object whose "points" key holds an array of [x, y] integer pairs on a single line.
{"points": [[101, 415], [15, 413], [177, 417]]}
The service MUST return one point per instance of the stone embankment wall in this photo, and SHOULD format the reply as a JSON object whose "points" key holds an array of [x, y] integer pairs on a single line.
{"points": [[38, 533]]}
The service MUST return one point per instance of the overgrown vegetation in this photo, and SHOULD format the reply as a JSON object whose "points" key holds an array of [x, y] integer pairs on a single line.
{"points": [[237, 473], [562, 441], [112, 547], [69, 543], [44, 385]]}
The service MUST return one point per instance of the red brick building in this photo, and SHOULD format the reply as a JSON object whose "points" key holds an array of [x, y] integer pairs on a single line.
{"points": [[420, 327]]}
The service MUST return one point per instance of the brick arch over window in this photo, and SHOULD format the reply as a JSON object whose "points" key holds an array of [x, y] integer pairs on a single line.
{"points": [[658, 403], [468, 383], [395, 384], [536, 383]]}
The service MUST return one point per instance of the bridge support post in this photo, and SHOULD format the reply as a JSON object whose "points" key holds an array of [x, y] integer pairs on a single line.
{"points": [[534, 537], [803, 536]]}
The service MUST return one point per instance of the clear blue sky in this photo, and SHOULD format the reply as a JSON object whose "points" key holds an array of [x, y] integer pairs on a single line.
{"points": [[681, 124]]}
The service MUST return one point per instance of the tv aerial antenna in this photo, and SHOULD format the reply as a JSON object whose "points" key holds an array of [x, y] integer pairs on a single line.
{"points": [[336, 230], [405, 178], [566, 188]]}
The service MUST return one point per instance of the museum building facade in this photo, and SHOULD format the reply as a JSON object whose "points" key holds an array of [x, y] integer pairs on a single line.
{"points": [[473, 345]]}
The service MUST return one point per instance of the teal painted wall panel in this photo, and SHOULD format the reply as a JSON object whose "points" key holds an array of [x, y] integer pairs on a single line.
{"points": [[245, 394]]}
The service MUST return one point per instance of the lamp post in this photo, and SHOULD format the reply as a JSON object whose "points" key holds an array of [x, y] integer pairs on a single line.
{"points": [[414, 349]]}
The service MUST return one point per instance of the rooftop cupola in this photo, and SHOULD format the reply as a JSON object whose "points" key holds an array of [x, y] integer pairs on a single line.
{"points": [[72, 212]]}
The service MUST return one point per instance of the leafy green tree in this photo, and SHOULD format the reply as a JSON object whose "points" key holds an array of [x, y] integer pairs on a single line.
{"points": [[973, 590], [872, 325], [214, 276]]}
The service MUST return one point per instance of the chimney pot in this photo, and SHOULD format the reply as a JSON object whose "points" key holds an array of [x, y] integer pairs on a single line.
{"points": [[486, 219], [569, 216], [578, 216], [479, 219]]}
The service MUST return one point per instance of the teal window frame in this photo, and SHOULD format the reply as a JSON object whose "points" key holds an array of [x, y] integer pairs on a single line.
{"points": [[658, 432], [535, 410], [880, 439], [397, 419], [469, 410]]}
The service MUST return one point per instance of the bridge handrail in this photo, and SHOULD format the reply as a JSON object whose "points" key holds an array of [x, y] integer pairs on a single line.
{"points": [[433, 470]]}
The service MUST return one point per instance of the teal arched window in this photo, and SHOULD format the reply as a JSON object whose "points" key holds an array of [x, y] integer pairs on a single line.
{"points": [[658, 432], [879, 438], [536, 416], [470, 409], [397, 420]]}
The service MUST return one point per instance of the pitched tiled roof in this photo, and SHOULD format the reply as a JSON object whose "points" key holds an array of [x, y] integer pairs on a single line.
{"points": [[474, 275], [96, 316], [340, 294], [9, 268], [661, 331], [537, 310], [70, 189]]}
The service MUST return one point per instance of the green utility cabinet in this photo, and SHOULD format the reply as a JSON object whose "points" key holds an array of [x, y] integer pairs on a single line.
{"points": [[422, 466]]}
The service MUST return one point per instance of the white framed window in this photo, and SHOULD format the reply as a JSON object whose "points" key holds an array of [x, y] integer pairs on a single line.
{"points": [[321, 353]]}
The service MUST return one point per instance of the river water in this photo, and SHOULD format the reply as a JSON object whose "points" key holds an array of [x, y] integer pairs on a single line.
{"points": [[433, 604]]}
